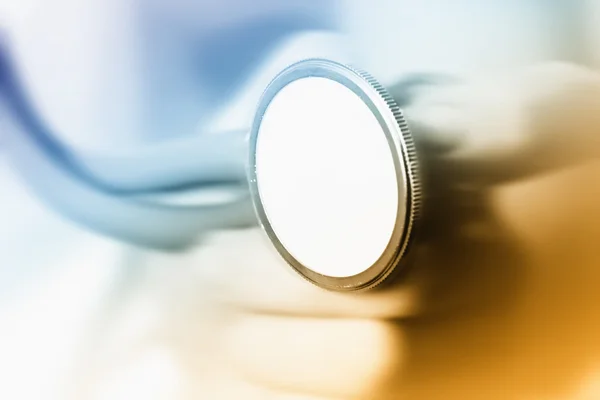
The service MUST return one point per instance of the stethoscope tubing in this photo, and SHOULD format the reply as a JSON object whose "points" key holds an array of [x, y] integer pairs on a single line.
{"points": [[109, 192]]}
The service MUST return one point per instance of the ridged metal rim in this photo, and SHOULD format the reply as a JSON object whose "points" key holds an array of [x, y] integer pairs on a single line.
{"points": [[403, 151]]}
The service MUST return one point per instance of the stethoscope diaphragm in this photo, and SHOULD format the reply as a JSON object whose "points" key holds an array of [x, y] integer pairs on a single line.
{"points": [[334, 175]]}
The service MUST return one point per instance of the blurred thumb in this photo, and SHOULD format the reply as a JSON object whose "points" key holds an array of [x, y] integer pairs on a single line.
{"points": [[540, 118]]}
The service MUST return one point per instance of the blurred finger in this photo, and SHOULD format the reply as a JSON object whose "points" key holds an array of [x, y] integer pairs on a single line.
{"points": [[432, 105], [243, 270], [541, 118], [225, 387], [340, 358]]}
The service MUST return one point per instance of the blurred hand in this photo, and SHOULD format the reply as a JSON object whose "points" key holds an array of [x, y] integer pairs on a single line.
{"points": [[501, 303]]}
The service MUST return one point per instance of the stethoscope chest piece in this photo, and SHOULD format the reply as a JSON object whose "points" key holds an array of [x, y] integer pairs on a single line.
{"points": [[334, 176]]}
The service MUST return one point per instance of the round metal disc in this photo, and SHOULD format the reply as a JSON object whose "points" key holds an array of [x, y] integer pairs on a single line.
{"points": [[333, 175]]}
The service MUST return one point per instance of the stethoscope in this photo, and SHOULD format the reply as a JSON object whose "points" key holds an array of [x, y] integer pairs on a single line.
{"points": [[329, 169]]}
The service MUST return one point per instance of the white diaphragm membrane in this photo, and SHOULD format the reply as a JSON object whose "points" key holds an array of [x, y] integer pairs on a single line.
{"points": [[326, 177]]}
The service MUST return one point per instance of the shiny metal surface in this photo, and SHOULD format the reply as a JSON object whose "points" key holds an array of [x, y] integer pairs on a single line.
{"points": [[401, 147]]}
